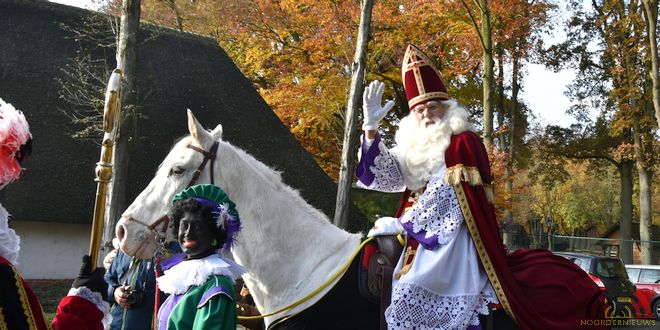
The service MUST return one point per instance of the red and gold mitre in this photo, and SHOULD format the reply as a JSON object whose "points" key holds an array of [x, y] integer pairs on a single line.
{"points": [[421, 80]]}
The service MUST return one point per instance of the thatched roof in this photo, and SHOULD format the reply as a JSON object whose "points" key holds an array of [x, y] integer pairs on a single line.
{"points": [[175, 71]]}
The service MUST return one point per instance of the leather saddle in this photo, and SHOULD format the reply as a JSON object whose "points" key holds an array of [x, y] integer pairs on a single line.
{"points": [[376, 278]]}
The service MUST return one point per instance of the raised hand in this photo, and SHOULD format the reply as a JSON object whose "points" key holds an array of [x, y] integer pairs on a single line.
{"points": [[371, 105]]}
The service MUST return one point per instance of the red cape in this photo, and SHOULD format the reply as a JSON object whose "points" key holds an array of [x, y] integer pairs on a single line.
{"points": [[537, 289], [19, 305]]}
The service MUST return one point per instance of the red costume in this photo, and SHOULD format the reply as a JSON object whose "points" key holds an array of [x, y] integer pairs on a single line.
{"points": [[536, 288], [19, 306]]}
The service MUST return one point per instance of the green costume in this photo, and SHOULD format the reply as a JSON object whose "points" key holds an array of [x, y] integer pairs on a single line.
{"points": [[208, 305], [201, 289]]}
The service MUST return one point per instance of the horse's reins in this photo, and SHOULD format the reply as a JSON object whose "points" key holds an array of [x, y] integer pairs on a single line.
{"points": [[160, 239], [315, 292]]}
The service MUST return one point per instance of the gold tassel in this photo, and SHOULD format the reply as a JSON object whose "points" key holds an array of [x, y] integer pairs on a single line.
{"points": [[459, 173], [490, 195], [408, 260]]}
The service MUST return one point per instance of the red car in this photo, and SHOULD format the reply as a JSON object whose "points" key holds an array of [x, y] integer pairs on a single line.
{"points": [[647, 281], [610, 275]]}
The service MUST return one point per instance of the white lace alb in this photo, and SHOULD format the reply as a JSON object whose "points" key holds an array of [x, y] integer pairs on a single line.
{"points": [[414, 307], [437, 211], [387, 175]]}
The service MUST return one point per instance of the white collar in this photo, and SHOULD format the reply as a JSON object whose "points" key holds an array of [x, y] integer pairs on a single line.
{"points": [[10, 243], [188, 273]]}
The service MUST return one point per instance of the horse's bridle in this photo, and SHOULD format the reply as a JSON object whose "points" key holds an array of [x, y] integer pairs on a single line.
{"points": [[208, 155]]}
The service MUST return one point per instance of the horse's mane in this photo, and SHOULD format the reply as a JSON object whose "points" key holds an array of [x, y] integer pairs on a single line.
{"points": [[267, 183]]}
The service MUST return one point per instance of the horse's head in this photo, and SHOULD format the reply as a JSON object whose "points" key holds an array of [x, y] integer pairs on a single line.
{"points": [[144, 222]]}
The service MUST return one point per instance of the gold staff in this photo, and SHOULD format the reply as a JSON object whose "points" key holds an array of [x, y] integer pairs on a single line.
{"points": [[104, 166]]}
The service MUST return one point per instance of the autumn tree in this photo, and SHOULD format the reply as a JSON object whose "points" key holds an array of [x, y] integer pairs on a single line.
{"points": [[588, 199], [298, 55], [611, 81], [517, 26], [485, 34], [622, 28], [593, 143]]}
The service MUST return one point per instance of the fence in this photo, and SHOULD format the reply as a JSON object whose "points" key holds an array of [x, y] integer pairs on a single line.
{"points": [[628, 250]]}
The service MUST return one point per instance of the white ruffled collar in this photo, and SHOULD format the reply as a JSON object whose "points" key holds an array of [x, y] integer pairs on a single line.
{"points": [[188, 273], [10, 243]]}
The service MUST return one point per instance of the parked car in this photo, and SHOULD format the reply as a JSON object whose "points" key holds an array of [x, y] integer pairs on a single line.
{"points": [[647, 281], [610, 275]]}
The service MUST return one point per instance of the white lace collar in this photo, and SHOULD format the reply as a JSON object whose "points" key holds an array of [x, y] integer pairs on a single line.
{"points": [[187, 273]]}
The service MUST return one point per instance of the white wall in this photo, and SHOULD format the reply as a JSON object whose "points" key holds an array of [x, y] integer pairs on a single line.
{"points": [[51, 250]]}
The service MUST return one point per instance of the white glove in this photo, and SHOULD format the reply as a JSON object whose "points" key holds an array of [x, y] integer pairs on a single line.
{"points": [[386, 226], [371, 108]]}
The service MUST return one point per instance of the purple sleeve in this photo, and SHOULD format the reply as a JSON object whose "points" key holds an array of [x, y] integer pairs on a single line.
{"points": [[363, 171], [212, 292]]}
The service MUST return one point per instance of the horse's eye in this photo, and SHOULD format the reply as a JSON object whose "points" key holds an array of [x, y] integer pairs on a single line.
{"points": [[176, 170]]}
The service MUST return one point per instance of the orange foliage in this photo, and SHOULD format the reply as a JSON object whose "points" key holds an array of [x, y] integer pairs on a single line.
{"points": [[299, 54]]}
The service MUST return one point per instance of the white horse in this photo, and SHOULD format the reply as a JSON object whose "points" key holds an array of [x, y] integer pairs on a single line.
{"points": [[289, 248]]}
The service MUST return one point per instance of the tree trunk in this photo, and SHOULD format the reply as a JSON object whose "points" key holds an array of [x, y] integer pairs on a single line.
{"points": [[126, 61], [350, 129], [501, 136], [646, 177], [503, 145], [651, 17], [638, 109], [625, 223], [508, 172], [645, 214], [645, 184], [488, 82]]}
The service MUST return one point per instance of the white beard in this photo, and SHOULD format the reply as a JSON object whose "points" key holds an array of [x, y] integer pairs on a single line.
{"points": [[425, 146]]}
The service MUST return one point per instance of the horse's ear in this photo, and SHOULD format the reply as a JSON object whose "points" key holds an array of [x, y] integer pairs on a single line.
{"points": [[199, 134], [217, 132]]}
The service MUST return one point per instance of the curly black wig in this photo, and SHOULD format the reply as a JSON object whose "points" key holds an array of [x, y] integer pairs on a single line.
{"points": [[195, 207]]}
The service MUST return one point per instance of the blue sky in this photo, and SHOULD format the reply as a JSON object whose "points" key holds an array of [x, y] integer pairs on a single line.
{"points": [[543, 89]]}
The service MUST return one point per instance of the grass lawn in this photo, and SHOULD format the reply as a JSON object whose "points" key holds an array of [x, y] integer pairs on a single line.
{"points": [[49, 293]]}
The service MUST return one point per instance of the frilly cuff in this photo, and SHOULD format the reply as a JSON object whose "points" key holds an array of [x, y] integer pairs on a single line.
{"points": [[96, 299]]}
